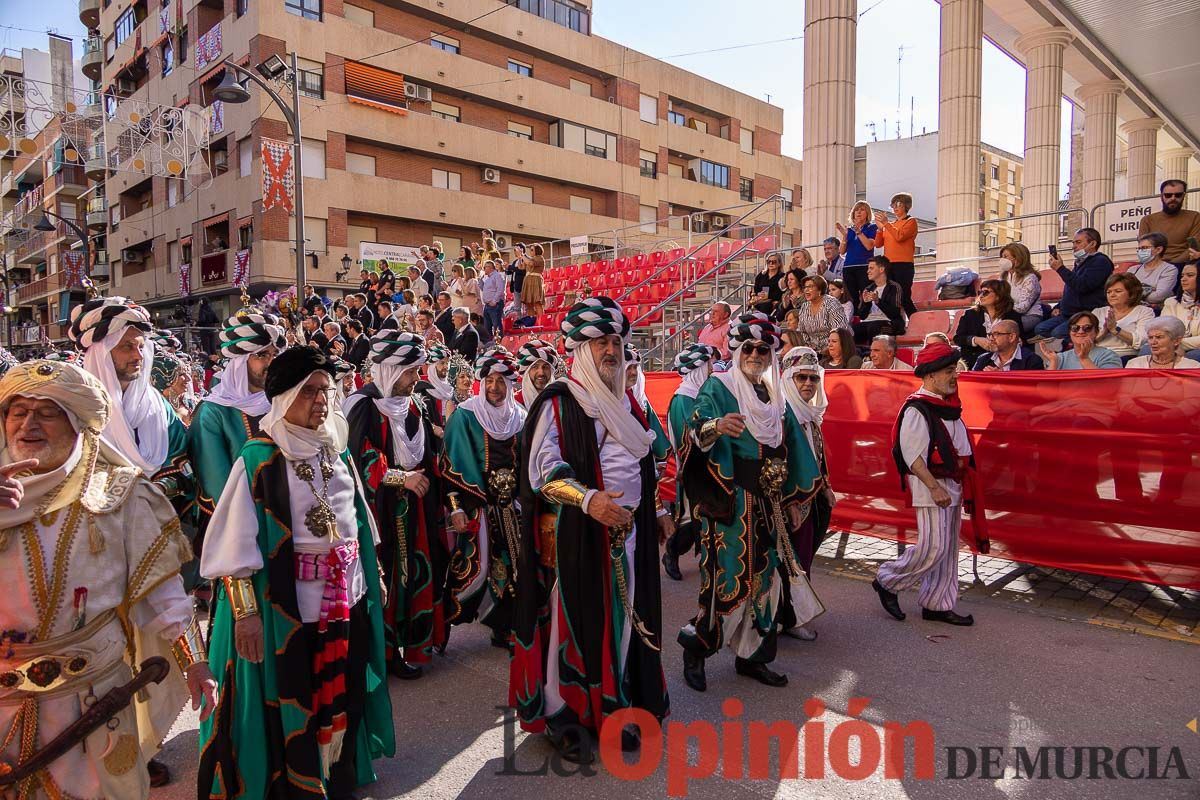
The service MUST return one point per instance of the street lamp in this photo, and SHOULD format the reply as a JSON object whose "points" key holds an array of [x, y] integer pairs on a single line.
{"points": [[44, 224], [230, 91]]}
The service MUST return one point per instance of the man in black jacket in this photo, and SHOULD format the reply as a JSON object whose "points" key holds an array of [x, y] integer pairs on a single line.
{"points": [[1083, 284], [312, 300], [1009, 356], [466, 339], [357, 348], [444, 319], [878, 306], [335, 343]]}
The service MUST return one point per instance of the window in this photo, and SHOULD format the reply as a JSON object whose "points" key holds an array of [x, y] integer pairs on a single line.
{"points": [[242, 7], [581, 205], [521, 194], [675, 118], [124, 27], [168, 58], [747, 140], [995, 172], [675, 170], [746, 189], [787, 199], [444, 43], [360, 164], [520, 131], [560, 12], [246, 235], [520, 67], [309, 9], [595, 143], [314, 158], [581, 87], [314, 234], [648, 161], [698, 125], [570, 136], [172, 192], [183, 37], [447, 180], [311, 75], [245, 156], [1011, 210], [358, 14], [648, 108], [647, 216], [1012, 177], [444, 111], [713, 174], [983, 179], [110, 48]]}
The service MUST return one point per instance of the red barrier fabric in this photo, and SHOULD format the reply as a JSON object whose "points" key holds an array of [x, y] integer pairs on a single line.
{"points": [[1089, 471]]}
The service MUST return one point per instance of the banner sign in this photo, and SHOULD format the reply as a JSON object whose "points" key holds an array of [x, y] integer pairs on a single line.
{"points": [[371, 253]]}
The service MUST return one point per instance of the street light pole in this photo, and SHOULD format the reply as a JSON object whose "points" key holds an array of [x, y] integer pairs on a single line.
{"points": [[292, 117], [44, 225]]}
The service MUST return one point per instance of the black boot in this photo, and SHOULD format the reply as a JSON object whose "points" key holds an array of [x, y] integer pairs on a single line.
{"points": [[889, 600], [631, 739], [670, 563], [573, 744], [159, 774], [693, 671], [403, 670], [760, 672], [949, 617], [502, 640]]}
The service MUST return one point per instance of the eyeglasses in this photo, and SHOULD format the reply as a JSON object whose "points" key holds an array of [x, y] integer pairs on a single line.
{"points": [[310, 393], [1082, 328], [1168, 195], [808, 378], [994, 334], [761, 349]]}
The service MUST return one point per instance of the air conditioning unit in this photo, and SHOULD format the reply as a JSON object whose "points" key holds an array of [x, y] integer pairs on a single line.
{"points": [[502, 242], [126, 85], [414, 91], [490, 175], [719, 221], [129, 255]]}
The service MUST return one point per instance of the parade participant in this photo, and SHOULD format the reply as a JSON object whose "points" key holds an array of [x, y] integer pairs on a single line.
{"points": [[537, 359], [804, 390], [297, 636], [588, 629], [343, 380], [933, 452], [694, 364], [171, 377], [479, 477], [90, 553], [461, 377], [434, 390], [112, 332], [231, 412], [746, 468], [635, 382], [396, 456]]}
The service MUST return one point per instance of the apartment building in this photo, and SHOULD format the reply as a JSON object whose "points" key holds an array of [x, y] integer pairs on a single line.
{"points": [[42, 180], [422, 121]]}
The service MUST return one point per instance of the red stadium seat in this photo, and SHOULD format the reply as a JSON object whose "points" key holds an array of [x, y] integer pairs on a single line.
{"points": [[676, 254], [602, 266], [641, 294], [658, 258], [655, 315], [571, 271], [924, 322], [554, 273], [953, 305], [621, 263], [674, 271], [1052, 286], [631, 311], [924, 294], [640, 260]]}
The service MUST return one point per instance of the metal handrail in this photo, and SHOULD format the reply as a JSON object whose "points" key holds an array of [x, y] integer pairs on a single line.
{"points": [[660, 350]]}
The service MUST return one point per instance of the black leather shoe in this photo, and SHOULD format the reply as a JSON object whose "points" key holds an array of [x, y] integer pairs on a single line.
{"points": [[159, 774], [693, 671], [403, 670], [670, 563], [573, 745], [889, 600], [949, 617], [631, 740], [760, 672]]}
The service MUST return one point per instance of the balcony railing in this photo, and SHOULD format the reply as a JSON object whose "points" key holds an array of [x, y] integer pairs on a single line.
{"points": [[54, 282]]}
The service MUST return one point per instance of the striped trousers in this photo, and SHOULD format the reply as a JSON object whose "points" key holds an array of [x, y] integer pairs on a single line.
{"points": [[932, 561]]}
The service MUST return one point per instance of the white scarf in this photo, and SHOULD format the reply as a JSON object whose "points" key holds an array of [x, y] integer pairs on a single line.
{"points": [[811, 412], [439, 387], [639, 387], [501, 422], [763, 420], [138, 408], [234, 389], [301, 444], [692, 382], [396, 408], [601, 402], [529, 392]]}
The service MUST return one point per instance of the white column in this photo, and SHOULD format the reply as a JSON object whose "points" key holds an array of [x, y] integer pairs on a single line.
{"points": [[1193, 200], [1043, 51], [959, 82], [1099, 144], [1143, 148], [830, 32]]}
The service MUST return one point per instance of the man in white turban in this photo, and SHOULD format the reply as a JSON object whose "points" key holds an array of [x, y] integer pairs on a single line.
{"points": [[588, 626], [537, 361], [90, 553]]}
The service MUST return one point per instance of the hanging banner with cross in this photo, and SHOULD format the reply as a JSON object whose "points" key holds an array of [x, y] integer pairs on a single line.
{"points": [[185, 280], [278, 175], [241, 268], [73, 266]]}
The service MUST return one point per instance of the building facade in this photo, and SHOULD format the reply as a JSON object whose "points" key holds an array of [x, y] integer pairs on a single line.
{"points": [[421, 121]]}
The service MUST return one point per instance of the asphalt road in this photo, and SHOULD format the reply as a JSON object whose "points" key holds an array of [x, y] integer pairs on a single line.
{"points": [[1016, 679]]}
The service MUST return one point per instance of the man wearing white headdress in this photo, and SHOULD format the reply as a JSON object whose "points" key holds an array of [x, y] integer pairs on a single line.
{"points": [[588, 625], [479, 476], [297, 635], [746, 466], [435, 391], [396, 457], [537, 360], [231, 412], [90, 553], [803, 387], [694, 365]]}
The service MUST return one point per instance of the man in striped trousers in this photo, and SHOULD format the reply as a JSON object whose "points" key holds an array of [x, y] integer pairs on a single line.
{"points": [[933, 455]]}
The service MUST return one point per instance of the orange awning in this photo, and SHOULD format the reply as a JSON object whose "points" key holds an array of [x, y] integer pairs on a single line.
{"points": [[373, 104], [245, 222], [217, 220], [380, 87]]}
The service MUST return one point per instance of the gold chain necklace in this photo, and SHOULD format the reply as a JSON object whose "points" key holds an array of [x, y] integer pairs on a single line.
{"points": [[320, 519]]}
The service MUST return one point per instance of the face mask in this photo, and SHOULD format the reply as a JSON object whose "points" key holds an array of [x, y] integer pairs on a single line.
{"points": [[1144, 254], [1080, 254]]}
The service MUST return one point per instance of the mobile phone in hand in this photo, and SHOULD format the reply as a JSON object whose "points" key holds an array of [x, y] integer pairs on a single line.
{"points": [[1192, 243], [1053, 249]]}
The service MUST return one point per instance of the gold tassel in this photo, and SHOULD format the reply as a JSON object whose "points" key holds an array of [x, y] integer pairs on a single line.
{"points": [[95, 539]]}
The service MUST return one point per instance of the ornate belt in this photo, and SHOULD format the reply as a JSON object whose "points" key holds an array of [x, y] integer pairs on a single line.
{"points": [[56, 665]]}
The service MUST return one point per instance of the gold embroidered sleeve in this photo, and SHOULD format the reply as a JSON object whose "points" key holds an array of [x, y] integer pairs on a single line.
{"points": [[189, 648], [708, 434], [242, 599], [565, 492]]}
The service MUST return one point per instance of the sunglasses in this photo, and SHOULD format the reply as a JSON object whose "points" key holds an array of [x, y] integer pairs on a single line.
{"points": [[1082, 328], [760, 349], [773, 263], [808, 378], [984, 292], [1172, 194]]}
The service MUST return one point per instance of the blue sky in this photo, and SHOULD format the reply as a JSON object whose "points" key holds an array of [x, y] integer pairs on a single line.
{"points": [[671, 27]]}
